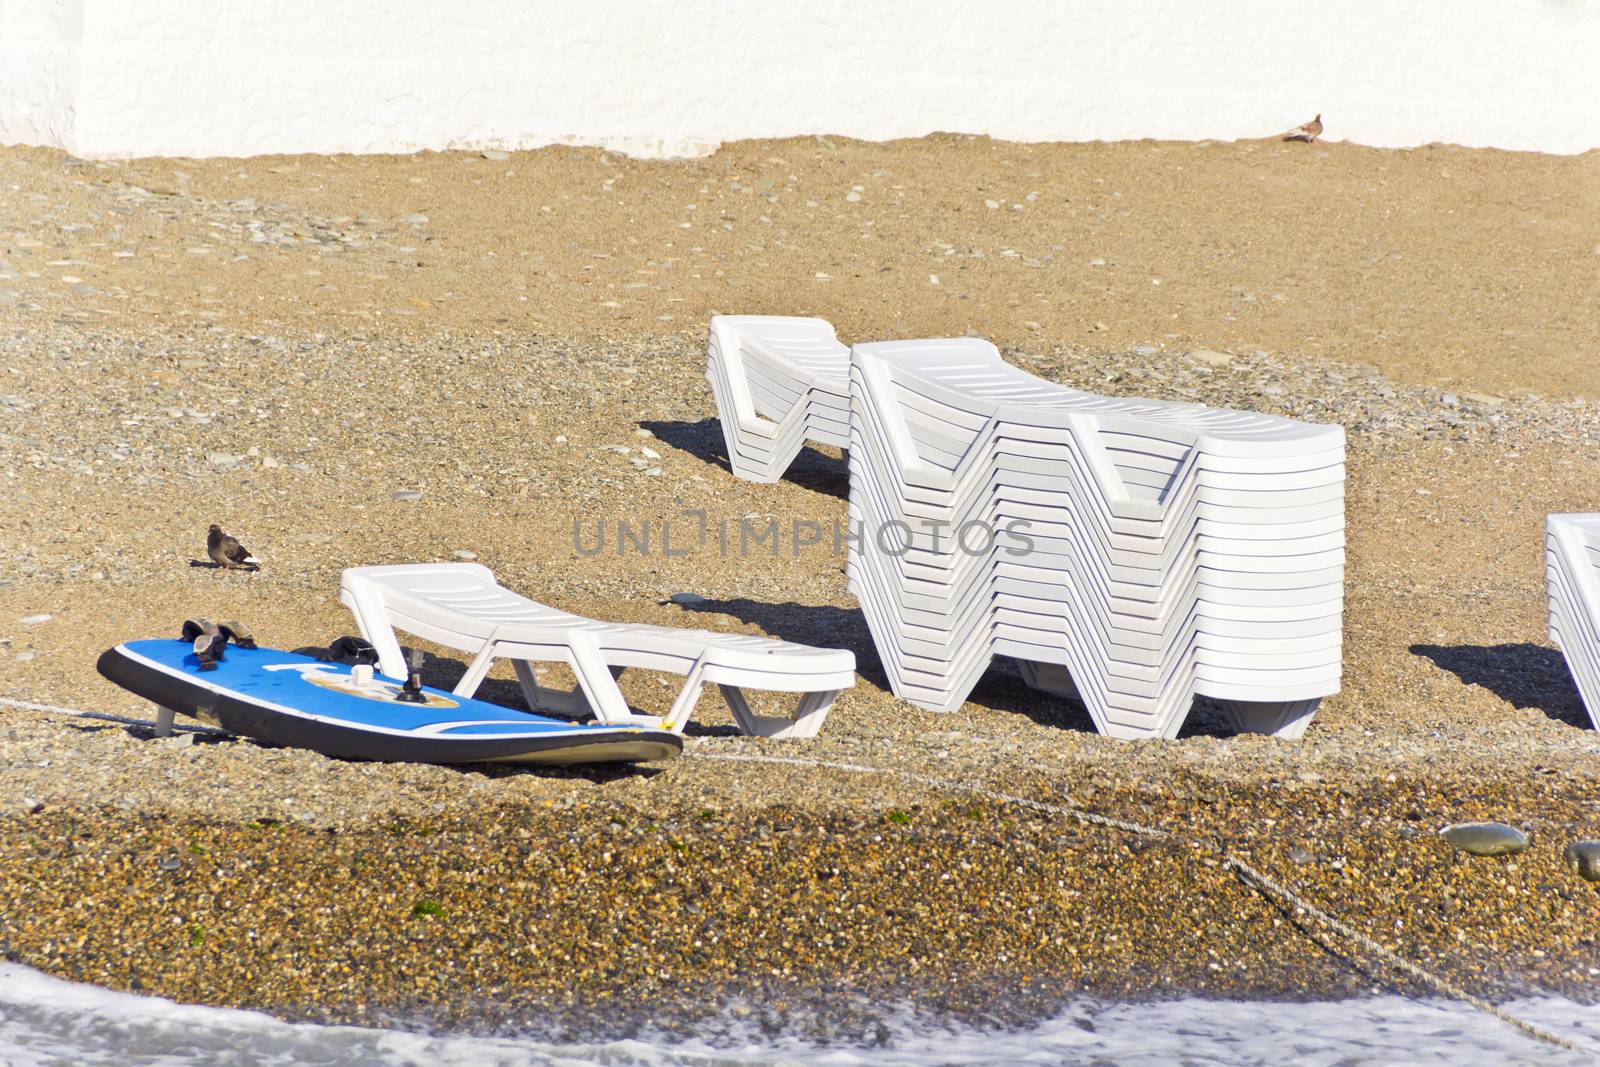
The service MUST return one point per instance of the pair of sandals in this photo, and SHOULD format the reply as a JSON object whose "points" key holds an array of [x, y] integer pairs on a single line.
{"points": [[211, 638]]}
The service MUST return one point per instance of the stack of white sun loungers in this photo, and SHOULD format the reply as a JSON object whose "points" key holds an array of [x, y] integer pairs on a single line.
{"points": [[779, 382], [1572, 574], [1146, 553]]}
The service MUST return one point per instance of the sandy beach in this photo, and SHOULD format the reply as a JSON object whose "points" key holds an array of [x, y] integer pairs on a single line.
{"points": [[281, 345]]}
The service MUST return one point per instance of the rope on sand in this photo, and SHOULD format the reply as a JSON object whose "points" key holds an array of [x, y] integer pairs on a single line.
{"points": [[1267, 886], [1246, 873], [1260, 882]]}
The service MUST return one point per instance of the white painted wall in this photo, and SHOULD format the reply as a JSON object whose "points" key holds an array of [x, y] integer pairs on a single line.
{"points": [[231, 77], [39, 42]]}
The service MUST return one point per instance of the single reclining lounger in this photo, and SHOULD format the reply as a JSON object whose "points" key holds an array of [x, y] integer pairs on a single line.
{"points": [[461, 606]]}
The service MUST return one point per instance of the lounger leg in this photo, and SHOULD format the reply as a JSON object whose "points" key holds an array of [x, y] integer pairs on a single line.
{"points": [[476, 672], [809, 715], [373, 622], [164, 719], [1049, 678], [1281, 718], [598, 684], [694, 684], [539, 698]]}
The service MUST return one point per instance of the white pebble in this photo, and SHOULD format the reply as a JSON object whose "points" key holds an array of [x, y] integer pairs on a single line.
{"points": [[463, 554], [34, 620]]}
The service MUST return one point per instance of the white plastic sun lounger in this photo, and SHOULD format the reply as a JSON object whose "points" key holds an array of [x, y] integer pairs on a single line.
{"points": [[461, 606], [1572, 574], [1161, 551], [778, 382]]}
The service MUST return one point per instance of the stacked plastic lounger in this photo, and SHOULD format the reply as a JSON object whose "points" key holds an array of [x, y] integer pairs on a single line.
{"points": [[1145, 552], [779, 382], [1572, 575], [461, 606]]}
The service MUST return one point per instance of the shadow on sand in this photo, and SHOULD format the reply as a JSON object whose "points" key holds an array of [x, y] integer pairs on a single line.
{"points": [[1524, 675], [811, 470]]}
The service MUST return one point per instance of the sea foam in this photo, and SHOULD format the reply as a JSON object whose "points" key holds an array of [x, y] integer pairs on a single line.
{"points": [[47, 1021]]}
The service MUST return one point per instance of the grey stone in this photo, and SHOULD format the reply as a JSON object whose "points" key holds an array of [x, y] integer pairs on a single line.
{"points": [[495, 154], [408, 495], [687, 599], [1485, 838], [1584, 859], [1300, 855]]}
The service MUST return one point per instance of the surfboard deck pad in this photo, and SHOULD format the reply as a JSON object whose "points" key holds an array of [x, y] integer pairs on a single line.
{"points": [[289, 699]]}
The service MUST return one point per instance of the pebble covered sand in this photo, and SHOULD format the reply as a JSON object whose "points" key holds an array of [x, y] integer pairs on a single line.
{"points": [[373, 359]]}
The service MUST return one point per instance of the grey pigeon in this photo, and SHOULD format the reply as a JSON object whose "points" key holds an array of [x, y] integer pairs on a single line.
{"points": [[227, 553]]}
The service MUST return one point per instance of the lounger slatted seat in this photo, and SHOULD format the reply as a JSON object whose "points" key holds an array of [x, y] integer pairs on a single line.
{"points": [[462, 606], [1572, 574], [1143, 552], [778, 383]]}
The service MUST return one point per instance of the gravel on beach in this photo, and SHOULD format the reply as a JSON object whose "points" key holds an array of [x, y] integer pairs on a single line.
{"points": [[364, 387]]}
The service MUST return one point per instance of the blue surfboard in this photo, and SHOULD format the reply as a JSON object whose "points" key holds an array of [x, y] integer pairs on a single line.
{"points": [[285, 698]]}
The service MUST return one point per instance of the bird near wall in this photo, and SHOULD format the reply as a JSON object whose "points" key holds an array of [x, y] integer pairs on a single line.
{"points": [[227, 553], [1308, 132]]}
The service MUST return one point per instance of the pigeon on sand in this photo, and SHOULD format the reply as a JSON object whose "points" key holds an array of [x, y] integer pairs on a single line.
{"points": [[227, 553], [1307, 133]]}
